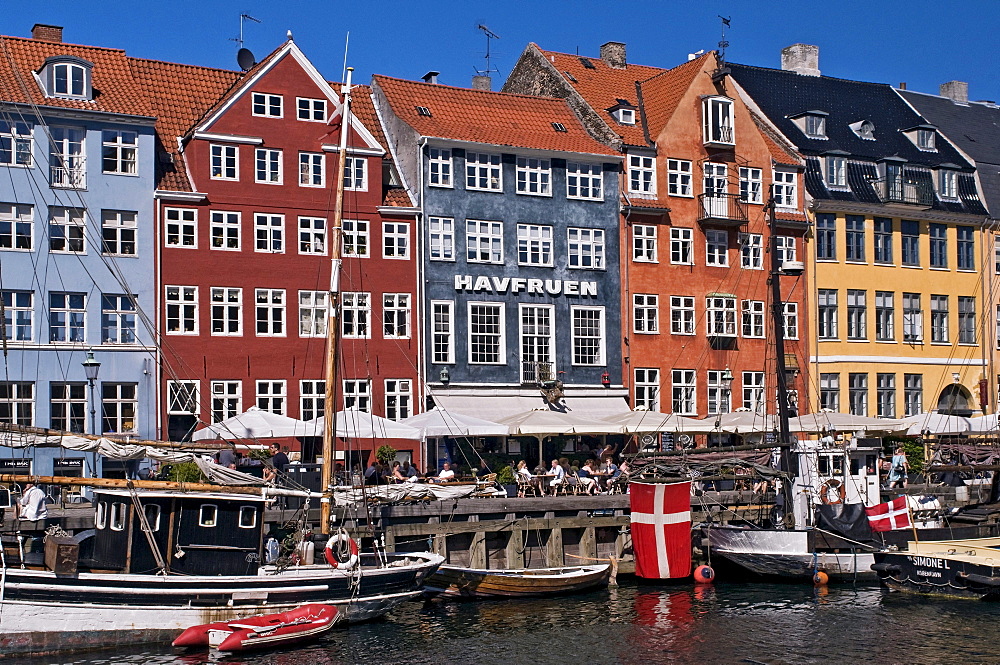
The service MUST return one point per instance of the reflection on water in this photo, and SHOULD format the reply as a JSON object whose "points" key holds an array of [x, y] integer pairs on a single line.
{"points": [[642, 625]]}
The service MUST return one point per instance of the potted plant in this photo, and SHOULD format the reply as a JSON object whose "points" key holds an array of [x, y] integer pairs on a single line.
{"points": [[505, 478], [385, 454]]}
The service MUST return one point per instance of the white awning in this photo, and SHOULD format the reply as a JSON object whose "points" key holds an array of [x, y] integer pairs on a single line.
{"points": [[497, 407]]}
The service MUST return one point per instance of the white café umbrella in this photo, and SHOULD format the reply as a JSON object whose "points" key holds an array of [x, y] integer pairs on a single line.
{"points": [[653, 421], [440, 422], [936, 423], [545, 422], [985, 425], [356, 424], [825, 420], [741, 421], [254, 423]]}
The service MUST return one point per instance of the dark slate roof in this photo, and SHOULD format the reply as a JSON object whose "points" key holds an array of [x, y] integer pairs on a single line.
{"points": [[782, 94], [974, 128]]}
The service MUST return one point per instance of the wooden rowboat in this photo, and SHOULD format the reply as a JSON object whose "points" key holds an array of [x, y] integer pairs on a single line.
{"points": [[456, 582]]}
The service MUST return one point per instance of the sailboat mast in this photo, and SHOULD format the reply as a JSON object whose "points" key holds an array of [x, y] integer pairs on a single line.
{"points": [[778, 324], [333, 310]]}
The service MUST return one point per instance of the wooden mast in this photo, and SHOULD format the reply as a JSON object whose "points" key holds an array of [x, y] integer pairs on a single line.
{"points": [[333, 310]]}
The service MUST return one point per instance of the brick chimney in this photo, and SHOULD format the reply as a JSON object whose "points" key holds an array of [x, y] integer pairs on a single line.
{"points": [[47, 33], [480, 82], [957, 91], [801, 58], [613, 54]]}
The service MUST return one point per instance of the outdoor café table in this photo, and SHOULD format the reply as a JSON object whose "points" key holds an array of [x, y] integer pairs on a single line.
{"points": [[602, 480]]}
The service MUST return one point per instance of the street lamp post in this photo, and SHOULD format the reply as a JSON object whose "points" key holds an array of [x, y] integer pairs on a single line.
{"points": [[91, 367]]}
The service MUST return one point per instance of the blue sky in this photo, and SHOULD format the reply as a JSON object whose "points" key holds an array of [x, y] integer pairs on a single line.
{"points": [[921, 42]]}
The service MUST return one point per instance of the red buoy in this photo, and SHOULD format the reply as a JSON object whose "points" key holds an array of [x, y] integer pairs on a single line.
{"points": [[704, 575], [820, 578]]}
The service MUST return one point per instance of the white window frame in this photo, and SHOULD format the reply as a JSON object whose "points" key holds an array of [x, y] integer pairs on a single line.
{"points": [[121, 149], [535, 245], [223, 307], [681, 246], [208, 515], [751, 184], [396, 240], [682, 315], [586, 249], [312, 169], [356, 315], [314, 313], [754, 391], [836, 172], [118, 318], [67, 230], [679, 178], [790, 317], [269, 166], [270, 313], [119, 406], [20, 220], [119, 229], [224, 162], [118, 512], [787, 248], [814, 126], [536, 345], [500, 336], [227, 399], [356, 174], [582, 321], [18, 136], [442, 332], [308, 109], [646, 384], [786, 189], [584, 181], [312, 236], [483, 238], [642, 175], [720, 399], [720, 316], [267, 105], [181, 307], [752, 322], [244, 523], [718, 121], [483, 172], [644, 243], [67, 319], [533, 176], [180, 228], [225, 230], [19, 399], [441, 238], [396, 311], [354, 236], [646, 313], [717, 248], [398, 399], [358, 394], [312, 398], [183, 397], [269, 233], [948, 184], [272, 396], [684, 392], [625, 116], [751, 251], [440, 170], [67, 158]]}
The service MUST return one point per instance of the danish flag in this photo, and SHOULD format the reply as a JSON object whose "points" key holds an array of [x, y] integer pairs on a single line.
{"points": [[889, 516], [661, 529]]}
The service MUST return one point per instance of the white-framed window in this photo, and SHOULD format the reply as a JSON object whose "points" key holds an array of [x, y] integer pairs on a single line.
{"points": [[645, 313], [752, 318], [67, 230], [584, 181], [67, 159], [227, 310], [117, 319], [537, 333], [625, 116], [356, 174], [398, 399], [885, 395], [118, 232], [224, 229], [939, 319], [181, 227], [720, 316], [182, 398], [272, 396], [396, 315], [719, 394], [312, 169], [267, 105], [785, 189], [926, 140], [227, 399], [270, 312], [647, 388], [753, 391], [751, 251], [356, 241], [791, 319], [18, 315], [269, 166], [16, 226], [483, 172], [395, 240], [182, 310], [439, 167], [857, 393], [751, 184], [483, 241], [442, 332], [857, 314], [356, 314], [836, 171], [642, 175], [681, 315], [441, 238], [534, 176], [313, 313], [913, 319], [310, 110], [786, 248], [716, 247], [269, 233], [15, 143], [312, 235], [885, 315], [683, 400], [312, 399], [208, 515], [827, 314], [358, 394], [586, 248], [815, 126], [119, 407], [225, 162], [644, 243], [679, 177], [67, 317], [717, 120], [248, 517], [119, 152], [487, 338], [829, 391], [67, 407], [682, 246], [534, 245], [913, 394], [948, 184], [588, 335], [17, 402], [118, 513]]}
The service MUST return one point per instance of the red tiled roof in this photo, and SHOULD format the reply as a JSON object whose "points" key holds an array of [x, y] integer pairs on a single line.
{"points": [[662, 93], [179, 95], [779, 153], [397, 197], [115, 89], [363, 108], [483, 116]]}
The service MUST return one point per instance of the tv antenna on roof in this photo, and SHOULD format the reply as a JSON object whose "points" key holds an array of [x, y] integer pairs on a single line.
{"points": [[490, 36], [243, 18], [244, 58]]}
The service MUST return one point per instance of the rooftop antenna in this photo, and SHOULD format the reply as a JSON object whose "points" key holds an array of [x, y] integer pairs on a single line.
{"points": [[490, 36], [723, 70], [243, 18]]}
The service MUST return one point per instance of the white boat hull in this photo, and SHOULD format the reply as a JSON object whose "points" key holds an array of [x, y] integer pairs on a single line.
{"points": [[787, 554]]}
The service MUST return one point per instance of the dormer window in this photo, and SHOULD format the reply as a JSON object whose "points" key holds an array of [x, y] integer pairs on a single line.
{"points": [[925, 139], [836, 171], [67, 76], [864, 129], [816, 126], [625, 116], [948, 184], [717, 118]]}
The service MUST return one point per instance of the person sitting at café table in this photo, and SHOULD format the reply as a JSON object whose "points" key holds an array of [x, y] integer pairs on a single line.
{"points": [[588, 483], [558, 476], [397, 473], [522, 468], [446, 475]]}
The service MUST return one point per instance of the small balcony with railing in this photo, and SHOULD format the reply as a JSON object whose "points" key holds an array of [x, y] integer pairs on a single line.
{"points": [[907, 189], [535, 372], [69, 177], [718, 209]]}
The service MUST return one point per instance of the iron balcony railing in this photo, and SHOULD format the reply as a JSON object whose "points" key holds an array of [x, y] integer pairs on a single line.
{"points": [[724, 209], [904, 189], [534, 372], [72, 177]]}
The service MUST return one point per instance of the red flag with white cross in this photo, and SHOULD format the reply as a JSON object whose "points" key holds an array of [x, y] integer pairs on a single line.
{"points": [[661, 529]]}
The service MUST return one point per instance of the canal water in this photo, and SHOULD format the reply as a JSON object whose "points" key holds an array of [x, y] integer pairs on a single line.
{"points": [[643, 624]]}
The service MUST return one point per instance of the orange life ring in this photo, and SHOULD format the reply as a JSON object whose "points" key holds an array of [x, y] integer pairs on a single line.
{"points": [[833, 485], [332, 550]]}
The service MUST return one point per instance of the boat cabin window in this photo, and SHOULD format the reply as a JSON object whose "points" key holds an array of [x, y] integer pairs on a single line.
{"points": [[831, 465], [153, 516], [101, 520], [871, 463], [209, 515], [855, 466], [824, 465], [117, 516], [248, 517]]}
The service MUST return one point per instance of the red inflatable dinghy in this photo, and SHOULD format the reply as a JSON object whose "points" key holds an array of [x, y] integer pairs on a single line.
{"points": [[263, 631]]}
